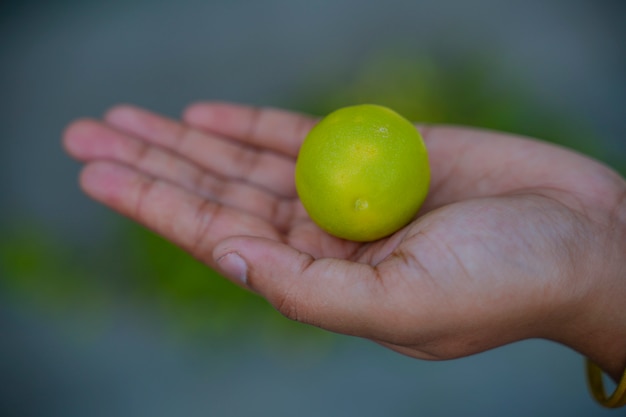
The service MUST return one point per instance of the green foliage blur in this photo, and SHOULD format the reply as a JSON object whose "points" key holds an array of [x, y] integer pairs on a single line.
{"points": [[139, 270]]}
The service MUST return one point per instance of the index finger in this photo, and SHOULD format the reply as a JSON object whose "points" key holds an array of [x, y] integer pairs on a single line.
{"points": [[264, 127]]}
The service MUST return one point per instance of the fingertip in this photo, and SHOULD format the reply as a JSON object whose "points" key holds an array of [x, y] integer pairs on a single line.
{"points": [[200, 112], [102, 180], [194, 105], [262, 255], [121, 114], [234, 266], [265, 266], [90, 178], [243, 246], [253, 247], [230, 261], [75, 136]]}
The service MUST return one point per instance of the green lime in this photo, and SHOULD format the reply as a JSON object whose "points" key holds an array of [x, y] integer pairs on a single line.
{"points": [[362, 172]]}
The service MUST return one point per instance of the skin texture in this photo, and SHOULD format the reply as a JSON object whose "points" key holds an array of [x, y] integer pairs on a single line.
{"points": [[517, 239]]}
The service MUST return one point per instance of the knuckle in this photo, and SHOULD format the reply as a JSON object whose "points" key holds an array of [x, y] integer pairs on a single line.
{"points": [[144, 188], [291, 302], [205, 218]]}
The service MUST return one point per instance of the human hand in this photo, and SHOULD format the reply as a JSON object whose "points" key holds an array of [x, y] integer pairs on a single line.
{"points": [[517, 238]]}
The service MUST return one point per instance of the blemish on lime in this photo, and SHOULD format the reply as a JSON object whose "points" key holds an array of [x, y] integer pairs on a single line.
{"points": [[361, 204]]}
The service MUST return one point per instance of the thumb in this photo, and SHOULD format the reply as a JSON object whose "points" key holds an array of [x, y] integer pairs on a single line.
{"points": [[334, 294]]}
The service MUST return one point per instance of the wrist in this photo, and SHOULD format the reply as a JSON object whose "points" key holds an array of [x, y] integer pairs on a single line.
{"points": [[596, 323]]}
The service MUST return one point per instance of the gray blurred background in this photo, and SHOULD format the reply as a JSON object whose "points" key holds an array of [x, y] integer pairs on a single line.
{"points": [[98, 317]]}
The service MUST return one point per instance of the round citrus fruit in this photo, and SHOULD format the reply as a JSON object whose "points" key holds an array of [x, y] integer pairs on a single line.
{"points": [[362, 172]]}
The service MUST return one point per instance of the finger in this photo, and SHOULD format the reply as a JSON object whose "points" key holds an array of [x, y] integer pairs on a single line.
{"points": [[231, 159], [89, 140], [334, 294], [193, 223], [279, 130]]}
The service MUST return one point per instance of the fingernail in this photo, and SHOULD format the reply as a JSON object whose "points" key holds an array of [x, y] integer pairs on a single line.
{"points": [[234, 266]]}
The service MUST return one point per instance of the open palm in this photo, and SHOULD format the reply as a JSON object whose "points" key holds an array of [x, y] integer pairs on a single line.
{"points": [[502, 249]]}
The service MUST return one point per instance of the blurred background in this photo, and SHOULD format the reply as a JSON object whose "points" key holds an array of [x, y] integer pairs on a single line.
{"points": [[98, 317]]}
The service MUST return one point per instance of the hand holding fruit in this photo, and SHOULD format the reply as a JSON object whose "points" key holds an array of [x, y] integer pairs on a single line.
{"points": [[516, 239]]}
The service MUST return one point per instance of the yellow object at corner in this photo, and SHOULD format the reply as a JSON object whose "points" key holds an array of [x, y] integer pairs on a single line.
{"points": [[596, 386]]}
